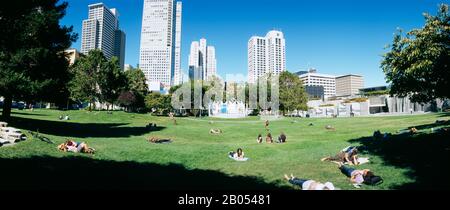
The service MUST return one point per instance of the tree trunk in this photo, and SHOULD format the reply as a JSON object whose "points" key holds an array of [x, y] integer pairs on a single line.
{"points": [[7, 104]]}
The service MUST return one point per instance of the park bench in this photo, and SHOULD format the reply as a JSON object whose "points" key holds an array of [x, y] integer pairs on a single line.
{"points": [[10, 135]]}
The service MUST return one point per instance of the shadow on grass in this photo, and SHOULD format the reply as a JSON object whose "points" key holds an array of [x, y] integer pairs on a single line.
{"points": [[27, 113], [80, 130], [444, 114], [82, 173], [431, 125], [425, 156]]}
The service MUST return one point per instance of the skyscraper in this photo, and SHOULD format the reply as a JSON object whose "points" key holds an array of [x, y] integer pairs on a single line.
{"points": [[211, 62], [119, 47], [101, 31], [195, 68], [202, 60], [266, 55], [160, 50]]}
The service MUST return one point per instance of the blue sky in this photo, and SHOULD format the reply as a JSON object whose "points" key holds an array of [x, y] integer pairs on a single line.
{"points": [[335, 37]]}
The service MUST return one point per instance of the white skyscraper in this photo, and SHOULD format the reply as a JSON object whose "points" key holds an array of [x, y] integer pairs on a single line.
{"points": [[160, 50], [266, 55], [101, 31], [211, 62], [195, 68], [202, 60]]}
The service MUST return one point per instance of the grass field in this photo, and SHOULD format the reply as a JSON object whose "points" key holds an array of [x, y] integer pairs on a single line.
{"points": [[198, 160]]}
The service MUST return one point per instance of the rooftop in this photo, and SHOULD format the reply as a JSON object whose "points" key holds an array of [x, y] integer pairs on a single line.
{"points": [[349, 75], [317, 75]]}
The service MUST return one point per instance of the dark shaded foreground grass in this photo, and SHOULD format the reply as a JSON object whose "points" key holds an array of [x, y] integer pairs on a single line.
{"points": [[81, 173], [425, 155]]}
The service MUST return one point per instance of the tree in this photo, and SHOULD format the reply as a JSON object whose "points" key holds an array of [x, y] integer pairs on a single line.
{"points": [[83, 86], [204, 86], [159, 103], [137, 85], [127, 99], [137, 81], [111, 82], [32, 63], [417, 64], [292, 93]]}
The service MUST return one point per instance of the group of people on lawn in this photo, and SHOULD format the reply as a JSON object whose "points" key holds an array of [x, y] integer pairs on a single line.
{"points": [[348, 156], [357, 177], [269, 139]]}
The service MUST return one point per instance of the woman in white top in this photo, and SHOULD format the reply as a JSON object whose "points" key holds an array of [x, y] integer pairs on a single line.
{"points": [[309, 184]]}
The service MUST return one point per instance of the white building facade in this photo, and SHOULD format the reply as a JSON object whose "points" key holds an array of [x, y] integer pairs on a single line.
{"points": [[266, 55], [160, 50], [101, 31], [328, 82]]}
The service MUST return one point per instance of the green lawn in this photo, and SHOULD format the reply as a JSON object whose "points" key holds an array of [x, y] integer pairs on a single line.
{"points": [[198, 160]]}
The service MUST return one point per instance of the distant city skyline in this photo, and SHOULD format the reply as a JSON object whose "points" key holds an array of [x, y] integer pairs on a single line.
{"points": [[334, 37]]}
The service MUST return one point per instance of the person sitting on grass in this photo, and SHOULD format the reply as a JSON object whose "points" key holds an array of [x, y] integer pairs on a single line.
{"points": [[239, 154], [269, 138], [282, 138], [348, 155], [358, 177], [157, 140], [151, 126], [215, 131], [267, 125], [413, 131], [76, 147], [259, 139], [309, 184], [377, 135]]}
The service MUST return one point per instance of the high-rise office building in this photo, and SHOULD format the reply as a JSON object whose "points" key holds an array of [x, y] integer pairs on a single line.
{"points": [[202, 61], [349, 85], [101, 31], [119, 47], [160, 49], [266, 55], [211, 62]]}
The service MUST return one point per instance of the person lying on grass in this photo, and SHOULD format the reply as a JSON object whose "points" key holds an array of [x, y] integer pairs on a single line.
{"points": [[239, 154], [157, 140], [269, 138], [259, 139], [377, 135], [76, 147], [215, 131], [358, 177], [348, 155], [330, 128], [309, 184]]}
